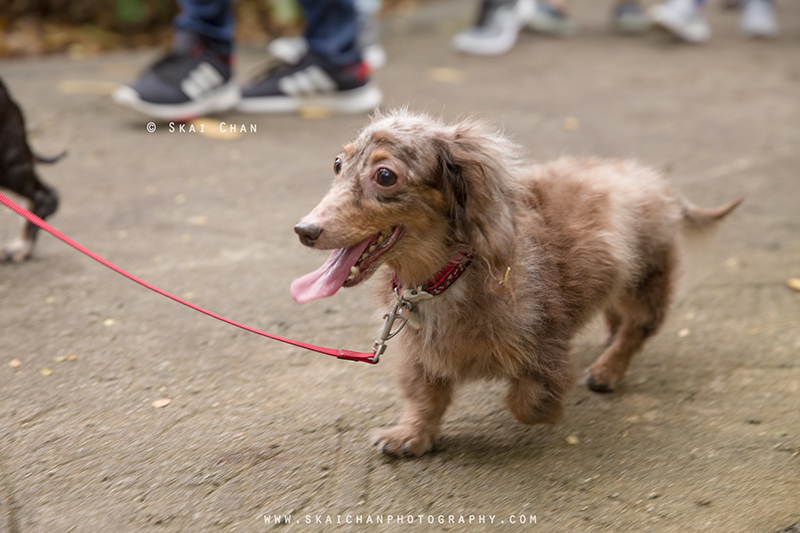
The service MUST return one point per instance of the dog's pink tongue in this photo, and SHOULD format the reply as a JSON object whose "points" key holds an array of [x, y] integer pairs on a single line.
{"points": [[328, 278]]}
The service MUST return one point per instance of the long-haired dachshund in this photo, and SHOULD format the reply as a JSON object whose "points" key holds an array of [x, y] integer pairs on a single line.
{"points": [[17, 174], [510, 259]]}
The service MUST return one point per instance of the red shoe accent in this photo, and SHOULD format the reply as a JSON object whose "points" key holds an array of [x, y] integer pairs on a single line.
{"points": [[363, 71]]}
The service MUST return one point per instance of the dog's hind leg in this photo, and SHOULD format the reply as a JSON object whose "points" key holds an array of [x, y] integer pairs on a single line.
{"points": [[426, 401], [531, 403], [43, 203], [20, 248], [642, 310]]}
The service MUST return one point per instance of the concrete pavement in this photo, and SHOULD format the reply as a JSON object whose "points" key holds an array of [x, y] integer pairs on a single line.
{"points": [[704, 435]]}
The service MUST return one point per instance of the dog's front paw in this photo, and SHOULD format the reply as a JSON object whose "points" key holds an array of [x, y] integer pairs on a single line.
{"points": [[601, 379], [17, 250], [404, 441]]}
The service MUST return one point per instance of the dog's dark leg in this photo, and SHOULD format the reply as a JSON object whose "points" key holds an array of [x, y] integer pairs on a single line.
{"points": [[43, 203], [643, 311], [426, 402]]}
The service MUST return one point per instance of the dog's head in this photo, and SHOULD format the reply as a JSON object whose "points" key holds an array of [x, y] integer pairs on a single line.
{"points": [[410, 192]]}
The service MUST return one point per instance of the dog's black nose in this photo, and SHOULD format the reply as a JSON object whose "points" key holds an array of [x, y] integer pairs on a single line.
{"points": [[308, 232]]}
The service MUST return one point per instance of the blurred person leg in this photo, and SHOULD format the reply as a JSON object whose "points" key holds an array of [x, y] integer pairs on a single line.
{"points": [[551, 18], [759, 20], [194, 77], [331, 76], [372, 52], [629, 18], [684, 19], [496, 29], [293, 49]]}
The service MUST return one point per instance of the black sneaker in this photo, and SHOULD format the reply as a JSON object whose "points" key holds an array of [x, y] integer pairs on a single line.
{"points": [[191, 81], [311, 83]]}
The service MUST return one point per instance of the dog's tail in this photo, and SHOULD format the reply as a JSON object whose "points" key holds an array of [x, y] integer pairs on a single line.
{"points": [[48, 159], [699, 217], [699, 243]]}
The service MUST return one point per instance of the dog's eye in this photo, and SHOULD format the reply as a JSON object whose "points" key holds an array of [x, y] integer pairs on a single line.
{"points": [[385, 177], [337, 165]]}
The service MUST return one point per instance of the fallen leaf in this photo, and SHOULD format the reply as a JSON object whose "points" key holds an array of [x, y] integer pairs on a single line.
{"points": [[46, 371], [72, 357], [215, 129], [683, 333], [572, 439], [50, 300], [108, 322], [59, 358], [571, 124], [794, 283], [14, 363], [315, 111], [199, 220], [187, 295], [105, 88], [163, 402], [446, 75]]}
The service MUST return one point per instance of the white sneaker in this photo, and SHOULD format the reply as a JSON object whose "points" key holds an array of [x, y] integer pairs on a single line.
{"points": [[758, 19], [550, 21], [289, 49], [374, 55], [496, 30], [292, 49], [683, 19]]}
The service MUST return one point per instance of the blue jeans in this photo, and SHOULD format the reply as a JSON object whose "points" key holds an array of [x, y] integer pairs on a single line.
{"points": [[331, 26]]}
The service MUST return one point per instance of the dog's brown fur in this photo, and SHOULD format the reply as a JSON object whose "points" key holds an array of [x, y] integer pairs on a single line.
{"points": [[580, 236]]}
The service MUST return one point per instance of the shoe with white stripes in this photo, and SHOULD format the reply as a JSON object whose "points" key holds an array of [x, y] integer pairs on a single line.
{"points": [[311, 83], [182, 85]]}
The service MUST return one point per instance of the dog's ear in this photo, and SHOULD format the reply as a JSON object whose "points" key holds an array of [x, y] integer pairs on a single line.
{"points": [[478, 173]]}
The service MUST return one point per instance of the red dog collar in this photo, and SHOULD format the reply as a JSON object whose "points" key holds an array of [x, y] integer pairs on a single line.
{"points": [[448, 275]]}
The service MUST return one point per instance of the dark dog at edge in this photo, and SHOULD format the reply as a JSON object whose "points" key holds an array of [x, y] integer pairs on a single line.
{"points": [[514, 259], [18, 175]]}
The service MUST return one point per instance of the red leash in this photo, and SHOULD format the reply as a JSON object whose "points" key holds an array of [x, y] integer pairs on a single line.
{"points": [[341, 354]]}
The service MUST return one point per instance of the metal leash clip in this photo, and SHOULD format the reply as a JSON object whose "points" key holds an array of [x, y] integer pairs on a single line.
{"points": [[405, 300]]}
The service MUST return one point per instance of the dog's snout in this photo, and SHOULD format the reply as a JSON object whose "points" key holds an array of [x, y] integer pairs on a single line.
{"points": [[308, 232]]}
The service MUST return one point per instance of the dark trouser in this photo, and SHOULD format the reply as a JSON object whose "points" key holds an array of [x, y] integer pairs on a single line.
{"points": [[331, 26]]}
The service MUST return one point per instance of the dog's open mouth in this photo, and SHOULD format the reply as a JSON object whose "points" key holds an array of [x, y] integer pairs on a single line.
{"points": [[345, 267]]}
